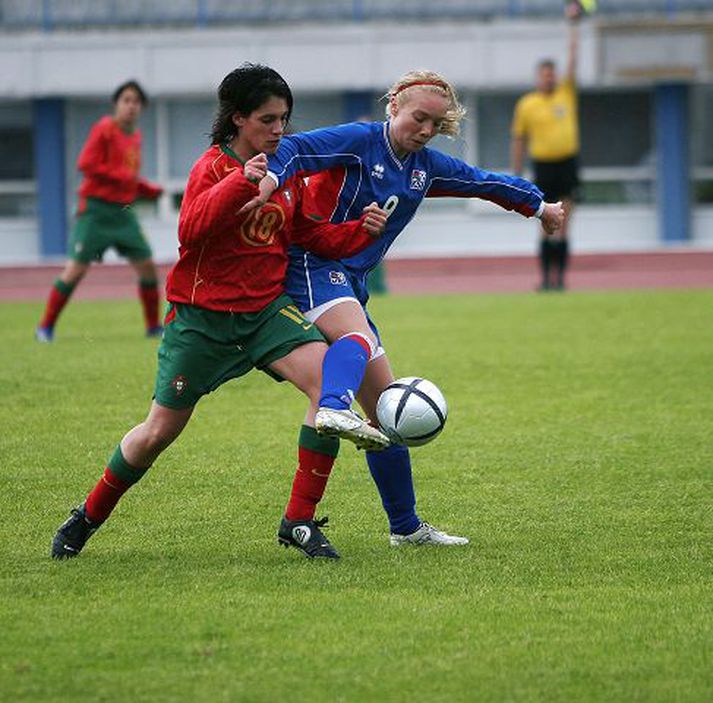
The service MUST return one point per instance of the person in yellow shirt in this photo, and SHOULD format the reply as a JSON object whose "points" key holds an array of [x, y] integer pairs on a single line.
{"points": [[545, 126]]}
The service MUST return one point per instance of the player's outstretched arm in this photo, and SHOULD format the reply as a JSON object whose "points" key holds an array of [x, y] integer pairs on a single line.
{"points": [[573, 13], [147, 189], [336, 240]]}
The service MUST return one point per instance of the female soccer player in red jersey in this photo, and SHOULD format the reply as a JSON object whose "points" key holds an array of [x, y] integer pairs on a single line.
{"points": [[229, 314], [110, 161]]}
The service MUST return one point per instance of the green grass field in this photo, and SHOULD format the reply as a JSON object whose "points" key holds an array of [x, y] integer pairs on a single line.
{"points": [[578, 458]]}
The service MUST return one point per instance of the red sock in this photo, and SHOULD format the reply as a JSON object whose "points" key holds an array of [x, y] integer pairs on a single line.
{"points": [[58, 297], [105, 495], [148, 293], [310, 481]]}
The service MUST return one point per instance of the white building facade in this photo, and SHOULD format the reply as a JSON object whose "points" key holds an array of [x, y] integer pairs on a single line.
{"points": [[646, 112]]}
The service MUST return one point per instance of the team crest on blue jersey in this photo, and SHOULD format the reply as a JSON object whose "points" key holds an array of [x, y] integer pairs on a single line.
{"points": [[378, 171], [337, 278], [418, 179]]}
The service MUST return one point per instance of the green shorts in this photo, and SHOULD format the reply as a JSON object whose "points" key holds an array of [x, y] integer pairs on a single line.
{"points": [[202, 349], [103, 225]]}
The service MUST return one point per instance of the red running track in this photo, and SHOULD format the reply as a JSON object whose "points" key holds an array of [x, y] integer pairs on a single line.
{"points": [[484, 274]]}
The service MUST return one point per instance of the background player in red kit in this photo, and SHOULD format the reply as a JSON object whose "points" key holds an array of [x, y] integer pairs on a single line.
{"points": [[110, 161], [229, 313]]}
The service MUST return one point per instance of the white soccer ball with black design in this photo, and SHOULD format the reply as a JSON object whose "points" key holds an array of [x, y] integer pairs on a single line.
{"points": [[411, 411]]}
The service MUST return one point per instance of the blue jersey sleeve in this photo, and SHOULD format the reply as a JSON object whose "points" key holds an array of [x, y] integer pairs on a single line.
{"points": [[319, 150], [454, 178]]}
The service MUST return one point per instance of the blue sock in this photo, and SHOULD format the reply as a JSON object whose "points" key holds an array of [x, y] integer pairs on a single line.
{"points": [[391, 471], [342, 373]]}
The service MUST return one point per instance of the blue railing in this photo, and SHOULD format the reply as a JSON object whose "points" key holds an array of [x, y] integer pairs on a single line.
{"points": [[51, 14]]}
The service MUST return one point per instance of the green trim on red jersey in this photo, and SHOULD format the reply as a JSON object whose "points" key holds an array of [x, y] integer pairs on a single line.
{"points": [[229, 152]]}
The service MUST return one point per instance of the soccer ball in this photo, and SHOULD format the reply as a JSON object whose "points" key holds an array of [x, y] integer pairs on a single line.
{"points": [[411, 411]]}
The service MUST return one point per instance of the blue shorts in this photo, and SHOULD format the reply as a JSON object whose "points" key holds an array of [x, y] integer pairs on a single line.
{"points": [[315, 284]]}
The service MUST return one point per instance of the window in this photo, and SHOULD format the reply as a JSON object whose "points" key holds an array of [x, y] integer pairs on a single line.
{"points": [[189, 126], [616, 142], [313, 111], [17, 186], [493, 118], [701, 130], [615, 129]]}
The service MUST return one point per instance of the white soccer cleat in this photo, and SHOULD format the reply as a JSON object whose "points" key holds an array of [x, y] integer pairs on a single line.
{"points": [[348, 425], [427, 534], [44, 335]]}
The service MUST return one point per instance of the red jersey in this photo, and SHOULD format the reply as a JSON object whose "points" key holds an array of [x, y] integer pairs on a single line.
{"points": [[237, 263], [110, 161]]}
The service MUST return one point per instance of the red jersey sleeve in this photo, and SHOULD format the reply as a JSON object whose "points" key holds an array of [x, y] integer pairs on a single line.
{"points": [[211, 204], [330, 241], [94, 159], [148, 190]]}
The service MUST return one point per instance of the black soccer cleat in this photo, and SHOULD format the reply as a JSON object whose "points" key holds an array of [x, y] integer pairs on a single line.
{"points": [[73, 534], [306, 536]]}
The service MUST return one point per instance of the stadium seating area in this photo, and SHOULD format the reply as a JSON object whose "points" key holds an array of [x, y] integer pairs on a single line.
{"points": [[50, 14]]}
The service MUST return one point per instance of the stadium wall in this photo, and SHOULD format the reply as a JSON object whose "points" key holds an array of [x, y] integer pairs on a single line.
{"points": [[327, 65]]}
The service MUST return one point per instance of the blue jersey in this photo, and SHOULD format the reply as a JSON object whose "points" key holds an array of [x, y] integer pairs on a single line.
{"points": [[363, 168]]}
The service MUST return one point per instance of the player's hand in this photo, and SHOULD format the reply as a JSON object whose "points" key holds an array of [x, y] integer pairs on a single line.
{"points": [[375, 220], [255, 169], [573, 11], [267, 188], [552, 217]]}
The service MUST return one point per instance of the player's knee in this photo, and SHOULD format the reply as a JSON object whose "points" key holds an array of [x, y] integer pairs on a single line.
{"points": [[363, 340], [74, 273]]}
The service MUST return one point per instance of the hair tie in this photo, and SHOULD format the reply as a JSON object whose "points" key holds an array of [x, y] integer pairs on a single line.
{"points": [[438, 84]]}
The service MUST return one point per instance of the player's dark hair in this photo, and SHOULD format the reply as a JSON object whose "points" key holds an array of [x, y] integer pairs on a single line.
{"points": [[546, 63], [244, 90], [130, 85]]}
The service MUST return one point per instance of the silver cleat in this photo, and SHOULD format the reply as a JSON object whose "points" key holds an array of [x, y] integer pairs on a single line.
{"points": [[348, 425], [427, 534]]}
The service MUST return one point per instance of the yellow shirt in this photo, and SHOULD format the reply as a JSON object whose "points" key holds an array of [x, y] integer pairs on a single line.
{"points": [[549, 123]]}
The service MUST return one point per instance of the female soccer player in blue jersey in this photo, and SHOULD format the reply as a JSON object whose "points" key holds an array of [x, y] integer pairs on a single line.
{"points": [[388, 163]]}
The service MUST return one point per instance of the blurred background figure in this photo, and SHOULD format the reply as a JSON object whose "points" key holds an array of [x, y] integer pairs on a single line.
{"points": [[376, 282], [110, 162], [546, 126]]}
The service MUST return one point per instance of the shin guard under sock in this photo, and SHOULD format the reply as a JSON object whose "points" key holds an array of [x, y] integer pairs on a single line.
{"points": [[391, 471], [317, 455]]}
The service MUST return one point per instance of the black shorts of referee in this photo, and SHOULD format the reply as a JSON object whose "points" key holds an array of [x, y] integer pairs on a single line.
{"points": [[558, 180]]}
